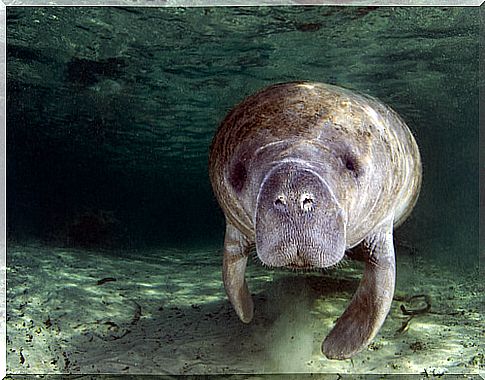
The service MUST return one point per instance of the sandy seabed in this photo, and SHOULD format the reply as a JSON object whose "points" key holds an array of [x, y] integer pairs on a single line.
{"points": [[165, 312]]}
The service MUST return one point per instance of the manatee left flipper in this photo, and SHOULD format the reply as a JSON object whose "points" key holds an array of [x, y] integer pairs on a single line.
{"points": [[236, 249], [371, 303]]}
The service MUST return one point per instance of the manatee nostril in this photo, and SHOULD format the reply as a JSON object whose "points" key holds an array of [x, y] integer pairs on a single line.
{"points": [[280, 201], [307, 202]]}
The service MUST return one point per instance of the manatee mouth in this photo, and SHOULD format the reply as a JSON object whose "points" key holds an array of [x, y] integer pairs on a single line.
{"points": [[325, 252], [299, 266], [299, 262]]}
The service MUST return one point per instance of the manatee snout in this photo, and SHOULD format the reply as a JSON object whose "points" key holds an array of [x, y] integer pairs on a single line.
{"points": [[299, 223]]}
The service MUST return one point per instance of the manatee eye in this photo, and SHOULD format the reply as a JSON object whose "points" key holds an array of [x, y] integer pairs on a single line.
{"points": [[349, 164], [238, 176]]}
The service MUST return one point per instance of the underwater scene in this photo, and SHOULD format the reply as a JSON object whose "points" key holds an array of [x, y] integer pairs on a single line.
{"points": [[115, 237]]}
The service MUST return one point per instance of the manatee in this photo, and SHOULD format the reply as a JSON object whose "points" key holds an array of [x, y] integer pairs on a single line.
{"points": [[305, 172]]}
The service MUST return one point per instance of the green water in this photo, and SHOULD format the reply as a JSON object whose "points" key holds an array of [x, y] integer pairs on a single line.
{"points": [[114, 108], [110, 114]]}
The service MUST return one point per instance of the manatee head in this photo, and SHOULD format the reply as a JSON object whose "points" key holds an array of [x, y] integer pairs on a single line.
{"points": [[298, 221]]}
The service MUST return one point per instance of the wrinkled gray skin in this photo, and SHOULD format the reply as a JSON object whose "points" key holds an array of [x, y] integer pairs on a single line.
{"points": [[306, 171]]}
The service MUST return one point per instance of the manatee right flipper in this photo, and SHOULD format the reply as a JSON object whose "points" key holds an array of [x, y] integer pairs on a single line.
{"points": [[234, 261], [370, 305]]}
